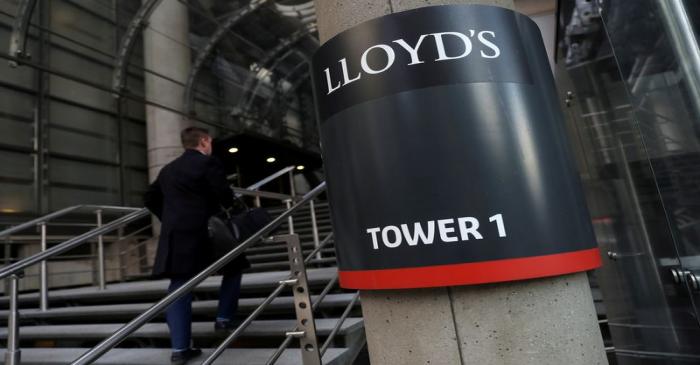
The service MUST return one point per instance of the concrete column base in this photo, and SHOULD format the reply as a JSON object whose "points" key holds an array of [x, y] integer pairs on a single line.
{"points": [[543, 321]]}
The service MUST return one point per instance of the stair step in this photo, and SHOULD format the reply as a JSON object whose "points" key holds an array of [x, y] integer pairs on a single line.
{"points": [[284, 255], [266, 328], [283, 264], [234, 356], [269, 247], [158, 288], [201, 307]]}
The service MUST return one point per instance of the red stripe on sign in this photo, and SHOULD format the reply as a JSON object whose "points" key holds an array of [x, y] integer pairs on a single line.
{"points": [[472, 273]]}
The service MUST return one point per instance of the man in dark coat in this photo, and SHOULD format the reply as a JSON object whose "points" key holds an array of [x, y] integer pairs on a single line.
{"points": [[187, 192]]}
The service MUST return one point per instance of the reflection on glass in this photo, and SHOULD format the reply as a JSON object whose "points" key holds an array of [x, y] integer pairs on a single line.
{"points": [[634, 119]]}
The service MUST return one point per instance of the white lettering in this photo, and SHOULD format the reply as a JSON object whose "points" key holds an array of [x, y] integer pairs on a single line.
{"points": [[442, 54], [397, 234], [444, 230], [445, 51], [373, 232], [413, 51], [487, 43], [328, 81], [346, 77], [499, 223], [418, 233], [389, 54], [394, 236], [465, 230]]}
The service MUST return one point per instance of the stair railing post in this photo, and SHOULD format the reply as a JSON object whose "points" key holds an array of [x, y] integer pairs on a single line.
{"points": [[100, 254], [13, 353], [43, 272], [121, 249], [256, 202], [7, 261], [292, 187], [306, 326], [314, 226], [290, 220]]}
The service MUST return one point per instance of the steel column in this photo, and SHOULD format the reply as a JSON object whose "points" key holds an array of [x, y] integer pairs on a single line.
{"points": [[306, 326], [100, 254], [13, 353], [44, 279], [290, 220], [314, 227]]}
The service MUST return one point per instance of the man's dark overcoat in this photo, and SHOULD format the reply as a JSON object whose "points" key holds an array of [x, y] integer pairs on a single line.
{"points": [[188, 191]]}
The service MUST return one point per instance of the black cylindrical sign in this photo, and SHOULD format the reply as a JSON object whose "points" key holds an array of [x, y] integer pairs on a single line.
{"points": [[445, 152]]}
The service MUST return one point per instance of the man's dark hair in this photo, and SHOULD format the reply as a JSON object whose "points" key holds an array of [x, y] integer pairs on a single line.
{"points": [[190, 136]]}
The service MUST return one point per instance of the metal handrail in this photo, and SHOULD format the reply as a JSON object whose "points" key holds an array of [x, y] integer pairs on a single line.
{"points": [[266, 180], [231, 337], [290, 335], [121, 334], [338, 324], [71, 243], [260, 194], [288, 340], [60, 213], [251, 317]]}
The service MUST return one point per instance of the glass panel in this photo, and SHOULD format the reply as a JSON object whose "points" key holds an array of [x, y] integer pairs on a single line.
{"points": [[74, 182], [16, 119], [15, 165], [62, 197], [664, 84], [82, 174], [135, 185], [16, 182], [16, 197], [83, 120], [83, 94], [647, 312], [86, 22], [83, 133]]}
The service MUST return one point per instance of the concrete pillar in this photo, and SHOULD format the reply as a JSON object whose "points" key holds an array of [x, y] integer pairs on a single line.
{"points": [[543, 321], [166, 52]]}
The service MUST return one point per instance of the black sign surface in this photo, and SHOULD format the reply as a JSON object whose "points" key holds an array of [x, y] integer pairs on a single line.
{"points": [[445, 152]]}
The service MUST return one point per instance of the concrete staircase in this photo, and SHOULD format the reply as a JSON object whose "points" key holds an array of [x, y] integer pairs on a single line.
{"points": [[274, 256], [79, 318]]}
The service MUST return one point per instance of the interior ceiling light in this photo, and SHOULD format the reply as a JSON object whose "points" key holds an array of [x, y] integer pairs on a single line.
{"points": [[233, 150], [270, 159], [300, 167]]}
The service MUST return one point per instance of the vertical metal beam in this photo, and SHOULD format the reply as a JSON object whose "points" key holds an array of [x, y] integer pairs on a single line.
{"points": [[306, 326], [13, 353], [292, 186], [314, 227], [41, 114], [101, 279], [120, 105], [43, 273], [122, 246], [290, 221]]}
